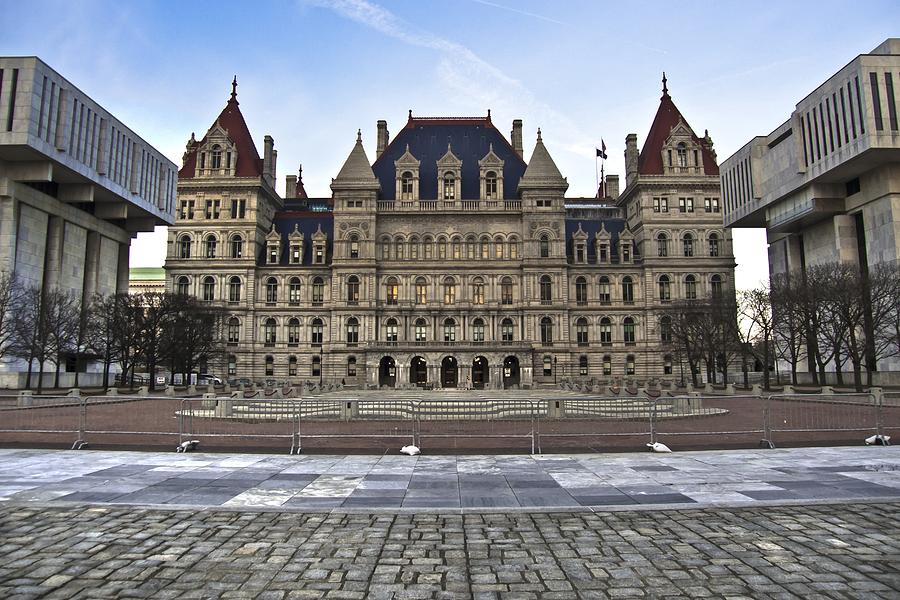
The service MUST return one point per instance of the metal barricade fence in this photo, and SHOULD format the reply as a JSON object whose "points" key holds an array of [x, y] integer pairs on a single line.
{"points": [[130, 421], [889, 415], [599, 423], [738, 421], [238, 423], [486, 423], [42, 420], [821, 419], [355, 424]]}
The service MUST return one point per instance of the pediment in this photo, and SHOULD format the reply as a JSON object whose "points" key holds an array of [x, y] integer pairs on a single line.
{"points": [[407, 160], [449, 159], [490, 159]]}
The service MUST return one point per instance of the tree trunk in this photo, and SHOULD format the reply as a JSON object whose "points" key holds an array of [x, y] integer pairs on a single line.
{"points": [[28, 374], [40, 376], [56, 373]]}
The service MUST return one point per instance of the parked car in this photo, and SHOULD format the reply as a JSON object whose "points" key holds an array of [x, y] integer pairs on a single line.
{"points": [[207, 379], [239, 381], [161, 380]]}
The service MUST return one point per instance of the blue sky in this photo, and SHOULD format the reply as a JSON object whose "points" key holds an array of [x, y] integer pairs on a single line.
{"points": [[311, 72]]}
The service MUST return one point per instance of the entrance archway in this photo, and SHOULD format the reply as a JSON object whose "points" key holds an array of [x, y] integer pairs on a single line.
{"points": [[449, 372], [511, 374], [480, 373], [387, 372], [418, 371]]}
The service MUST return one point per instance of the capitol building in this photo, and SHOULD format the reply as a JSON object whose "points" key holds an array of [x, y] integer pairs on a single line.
{"points": [[449, 260]]}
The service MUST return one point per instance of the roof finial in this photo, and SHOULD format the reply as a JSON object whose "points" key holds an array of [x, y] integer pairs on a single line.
{"points": [[489, 115], [410, 114], [300, 173], [539, 135], [665, 88], [359, 136], [234, 88]]}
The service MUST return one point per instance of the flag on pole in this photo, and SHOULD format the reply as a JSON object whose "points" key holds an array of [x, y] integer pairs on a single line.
{"points": [[601, 151]]}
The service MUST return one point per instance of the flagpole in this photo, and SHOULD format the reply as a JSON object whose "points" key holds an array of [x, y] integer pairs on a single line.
{"points": [[596, 177], [602, 179]]}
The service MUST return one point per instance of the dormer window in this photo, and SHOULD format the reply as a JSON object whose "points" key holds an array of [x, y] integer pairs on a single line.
{"points": [[449, 186], [407, 169], [273, 253], [216, 157], [295, 254], [406, 186], [681, 153], [491, 168], [490, 185]]}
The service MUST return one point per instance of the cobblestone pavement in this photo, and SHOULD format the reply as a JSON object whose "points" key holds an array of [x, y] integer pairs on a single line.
{"points": [[450, 483], [822, 551]]}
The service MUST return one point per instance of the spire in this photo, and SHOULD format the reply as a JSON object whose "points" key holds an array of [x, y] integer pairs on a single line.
{"points": [[357, 170], [542, 172], [234, 90], [665, 87], [301, 191]]}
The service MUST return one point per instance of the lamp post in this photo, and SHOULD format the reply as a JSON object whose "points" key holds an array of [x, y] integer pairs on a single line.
{"points": [[554, 370], [321, 364]]}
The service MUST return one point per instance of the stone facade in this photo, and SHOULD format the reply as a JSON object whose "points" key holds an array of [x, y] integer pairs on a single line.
{"points": [[449, 261], [75, 186]]}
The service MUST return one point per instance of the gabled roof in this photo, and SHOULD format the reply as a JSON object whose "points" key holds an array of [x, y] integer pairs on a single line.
{"points": [[667, 118], [249, 164], [356, 172], [470, 137]]}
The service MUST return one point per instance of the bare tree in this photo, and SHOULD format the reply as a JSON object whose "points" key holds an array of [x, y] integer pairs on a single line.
{"points": [[61, 313], [193, 334], [884, 303], [10, 305], [789, 338], [126, 329], [758, 327]]}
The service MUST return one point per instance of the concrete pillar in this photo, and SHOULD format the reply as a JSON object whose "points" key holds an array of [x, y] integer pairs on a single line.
{"points": [[122, 269], [25, 398], [845, 239], [112, 391], [74, 393], [56, 227], [224, 408], [91, 266], [8, 233]]}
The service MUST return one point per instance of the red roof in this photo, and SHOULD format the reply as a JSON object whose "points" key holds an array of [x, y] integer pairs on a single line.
{"points": [[667, 117], [249, 164]]}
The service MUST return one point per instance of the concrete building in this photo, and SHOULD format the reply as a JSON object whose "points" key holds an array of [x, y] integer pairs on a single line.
{"points": [[75, 186], [826, 183], [146, 279], [449, 261]]}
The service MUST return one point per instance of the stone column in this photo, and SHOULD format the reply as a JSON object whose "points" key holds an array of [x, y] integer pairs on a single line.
{"points": [[91, 266], [122, 269], [53, 259]]}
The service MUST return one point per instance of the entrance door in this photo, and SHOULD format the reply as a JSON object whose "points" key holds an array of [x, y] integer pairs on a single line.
{"points": [[480, 374], [418, 371], [510, 371], [387, 372], [449, 369]]}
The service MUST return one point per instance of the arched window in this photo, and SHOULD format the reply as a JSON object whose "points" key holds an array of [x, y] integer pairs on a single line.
{"points": [[390, 330], [442, 248], [478, 291], [398, 248], [318, 291], [293, 332], [581, 295], [605, 331], [485, 248], [713, 244], [414, 248], [294, 291], [629, 364], [498, 248], [681, 153], [427, 248], [513, 247], [545, 246], [665, 288], [690, 287], [210, 245], [385, 248], [665, 330], [234, 289], [351, 366], [270, 366], [662, 245], [234, 330], [470, 247], [667, 364], [354, 246], [688, 244], [478, 331], [353, 290], [583, 365], [237, 246], [506, 330], [271, 290], [627, 290], [352, 331], [456, 244], [716, 285], [216, 162], [292, 366], [449, 291], [605, 295], [184, 246], [607, 365], [183, 285], [269, 330], [406, 186], [449, 182], [391, 291], [421, 290], [209, 288], [490, 185], [421, 331], [449, 331], [547, 331], [506, 290], [546, 286], [581, 331], [628, 331], [316, 332]]}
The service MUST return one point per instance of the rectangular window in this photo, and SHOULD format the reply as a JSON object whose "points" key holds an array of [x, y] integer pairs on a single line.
{"points": [[889, 98], [830, 129], [656, 205], [876, 101], [859, 108], [844, 117], [12, 99]]}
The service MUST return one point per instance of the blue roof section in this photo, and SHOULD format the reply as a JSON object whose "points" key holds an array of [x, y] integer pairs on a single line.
{"points": [[591, 227], [470, 140], [307, 223]]}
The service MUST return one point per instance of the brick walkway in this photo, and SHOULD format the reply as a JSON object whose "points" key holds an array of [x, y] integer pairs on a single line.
{"points": [[829, 551]]}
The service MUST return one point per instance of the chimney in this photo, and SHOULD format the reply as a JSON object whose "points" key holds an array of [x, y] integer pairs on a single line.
{"points": [[631, 158], [515, 136], [290, 186], [268, 163], [612, 186], [382, 138]]}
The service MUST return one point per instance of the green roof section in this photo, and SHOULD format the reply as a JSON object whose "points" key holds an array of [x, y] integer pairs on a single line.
{"points": [[147, 273]]}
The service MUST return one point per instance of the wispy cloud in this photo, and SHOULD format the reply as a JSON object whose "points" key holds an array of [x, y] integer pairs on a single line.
{"points": [[521, 12]]}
